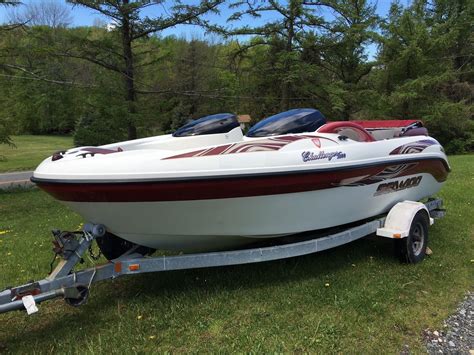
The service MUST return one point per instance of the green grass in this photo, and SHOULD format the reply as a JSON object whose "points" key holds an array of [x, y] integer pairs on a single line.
{"points": [[373, 304], [30, 151]]}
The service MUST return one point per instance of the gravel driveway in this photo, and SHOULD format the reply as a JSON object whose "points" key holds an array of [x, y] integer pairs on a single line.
{"points": [[457, 336]]}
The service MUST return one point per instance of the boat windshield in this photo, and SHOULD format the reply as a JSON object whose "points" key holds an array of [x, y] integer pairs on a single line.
{"points": [[213, 124], [292, 121]]}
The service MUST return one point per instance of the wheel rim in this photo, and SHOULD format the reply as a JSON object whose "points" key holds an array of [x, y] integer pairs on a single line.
{"points": [[417, 239]]}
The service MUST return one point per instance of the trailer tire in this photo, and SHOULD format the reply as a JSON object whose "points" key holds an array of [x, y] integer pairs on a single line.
{"points": [[412, 249], [113, 247]]}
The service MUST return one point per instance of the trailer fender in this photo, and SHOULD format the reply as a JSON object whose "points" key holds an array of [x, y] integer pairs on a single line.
{"points": [[398, 222]]}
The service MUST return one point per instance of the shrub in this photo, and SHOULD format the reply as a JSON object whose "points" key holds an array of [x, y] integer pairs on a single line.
{"points": [[452, 124], [101, 126]]}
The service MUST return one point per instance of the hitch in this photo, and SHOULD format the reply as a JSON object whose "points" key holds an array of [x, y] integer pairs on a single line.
{"points": [[31, 289], [62, 280]]}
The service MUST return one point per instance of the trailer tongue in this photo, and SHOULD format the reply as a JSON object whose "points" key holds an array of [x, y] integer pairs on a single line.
{"points": [[407, 223]]}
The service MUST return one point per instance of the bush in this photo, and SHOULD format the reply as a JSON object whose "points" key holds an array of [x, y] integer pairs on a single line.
{"points": [[451, 123], [101, 126]]}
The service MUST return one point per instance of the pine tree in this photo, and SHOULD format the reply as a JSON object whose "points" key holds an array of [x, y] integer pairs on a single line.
{"points": [[131, 28]]}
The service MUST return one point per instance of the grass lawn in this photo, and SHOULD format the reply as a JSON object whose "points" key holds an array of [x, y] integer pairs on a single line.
{"points": [[30, 151], [373, 304]]}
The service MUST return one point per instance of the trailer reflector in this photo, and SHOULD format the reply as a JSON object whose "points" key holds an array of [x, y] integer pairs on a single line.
{"points": [[118, 267], [134, 267]]}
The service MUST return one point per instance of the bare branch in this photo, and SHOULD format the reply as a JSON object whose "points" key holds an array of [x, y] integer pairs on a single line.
{"points": [[216, 96], [36, 77], [92, 60], [49, 13]]}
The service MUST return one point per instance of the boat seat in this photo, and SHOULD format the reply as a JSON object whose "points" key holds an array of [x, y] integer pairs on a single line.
{"points": [[349, 129], [418, 131]]}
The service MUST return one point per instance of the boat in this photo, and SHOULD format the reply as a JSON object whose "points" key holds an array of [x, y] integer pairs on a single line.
{"points": [[208, 187]]}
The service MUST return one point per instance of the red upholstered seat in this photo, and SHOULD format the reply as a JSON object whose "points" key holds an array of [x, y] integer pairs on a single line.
{"points": [[387, 123], [349, 129]]}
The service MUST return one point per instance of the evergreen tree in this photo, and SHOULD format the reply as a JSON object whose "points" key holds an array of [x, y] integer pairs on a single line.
{"points": [[421, 76], [282, 36], [131, 28], [342, 48]]}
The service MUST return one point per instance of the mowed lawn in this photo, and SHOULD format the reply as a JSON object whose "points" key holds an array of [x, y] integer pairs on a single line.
{"points": [[353, 299], [30, 151]]}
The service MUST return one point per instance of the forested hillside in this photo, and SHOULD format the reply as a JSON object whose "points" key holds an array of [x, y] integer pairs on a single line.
{"points": [[104, 83]]}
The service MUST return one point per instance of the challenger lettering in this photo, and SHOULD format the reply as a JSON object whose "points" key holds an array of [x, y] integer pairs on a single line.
{"points": [[309, 156]]}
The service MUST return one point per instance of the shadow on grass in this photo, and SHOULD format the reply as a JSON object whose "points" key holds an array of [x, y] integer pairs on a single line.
{"points": [[271, 273], [188, 286]]}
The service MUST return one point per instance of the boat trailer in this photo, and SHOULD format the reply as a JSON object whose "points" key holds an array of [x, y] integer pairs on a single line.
{"points": [[406, 223]]}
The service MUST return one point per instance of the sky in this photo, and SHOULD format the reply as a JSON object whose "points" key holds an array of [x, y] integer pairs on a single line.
{"points": [[84, 17]]}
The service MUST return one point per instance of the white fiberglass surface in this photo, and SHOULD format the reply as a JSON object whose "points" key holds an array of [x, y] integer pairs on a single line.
{"points": [[151, 163], [183, 225]]}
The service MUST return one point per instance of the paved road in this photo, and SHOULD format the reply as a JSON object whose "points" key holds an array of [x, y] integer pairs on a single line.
{"points": [[18, 179]]}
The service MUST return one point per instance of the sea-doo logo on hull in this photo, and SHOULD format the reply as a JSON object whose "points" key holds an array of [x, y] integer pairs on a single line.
{"points": [[398, 185], [309, 156]]}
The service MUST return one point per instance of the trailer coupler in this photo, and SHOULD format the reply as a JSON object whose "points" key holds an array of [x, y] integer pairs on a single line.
{"points": [[62, 281]]}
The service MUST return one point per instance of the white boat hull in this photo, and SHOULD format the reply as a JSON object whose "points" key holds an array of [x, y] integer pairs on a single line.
{"points": [[214, 224]]}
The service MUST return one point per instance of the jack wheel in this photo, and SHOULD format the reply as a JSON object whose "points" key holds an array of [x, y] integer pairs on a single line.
{"points": [[113, 247], [80, 299], [412, 249]]}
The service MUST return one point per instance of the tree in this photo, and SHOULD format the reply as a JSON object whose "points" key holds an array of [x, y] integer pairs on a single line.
{"points": [[452, 22], [307, 48], [192, 79], [45, 13], [37, 90], [421, 76], [283, 36], [5, 129], [131, 28], [341, 48]]}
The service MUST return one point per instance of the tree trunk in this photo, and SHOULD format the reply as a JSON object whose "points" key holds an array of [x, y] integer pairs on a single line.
{"points": [[286, 85], [346, 113], [285, 97], [130, 96], [193, 108]]}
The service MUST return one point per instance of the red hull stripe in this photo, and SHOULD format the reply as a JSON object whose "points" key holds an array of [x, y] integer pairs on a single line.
{"points": [[242, 186]]}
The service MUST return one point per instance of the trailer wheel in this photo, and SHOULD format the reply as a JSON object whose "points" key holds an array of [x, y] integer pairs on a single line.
{"points": [[412, 249], [113, 247]]}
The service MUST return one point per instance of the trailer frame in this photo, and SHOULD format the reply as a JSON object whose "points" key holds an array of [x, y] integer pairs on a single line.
{"points": [[74, 286]]}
